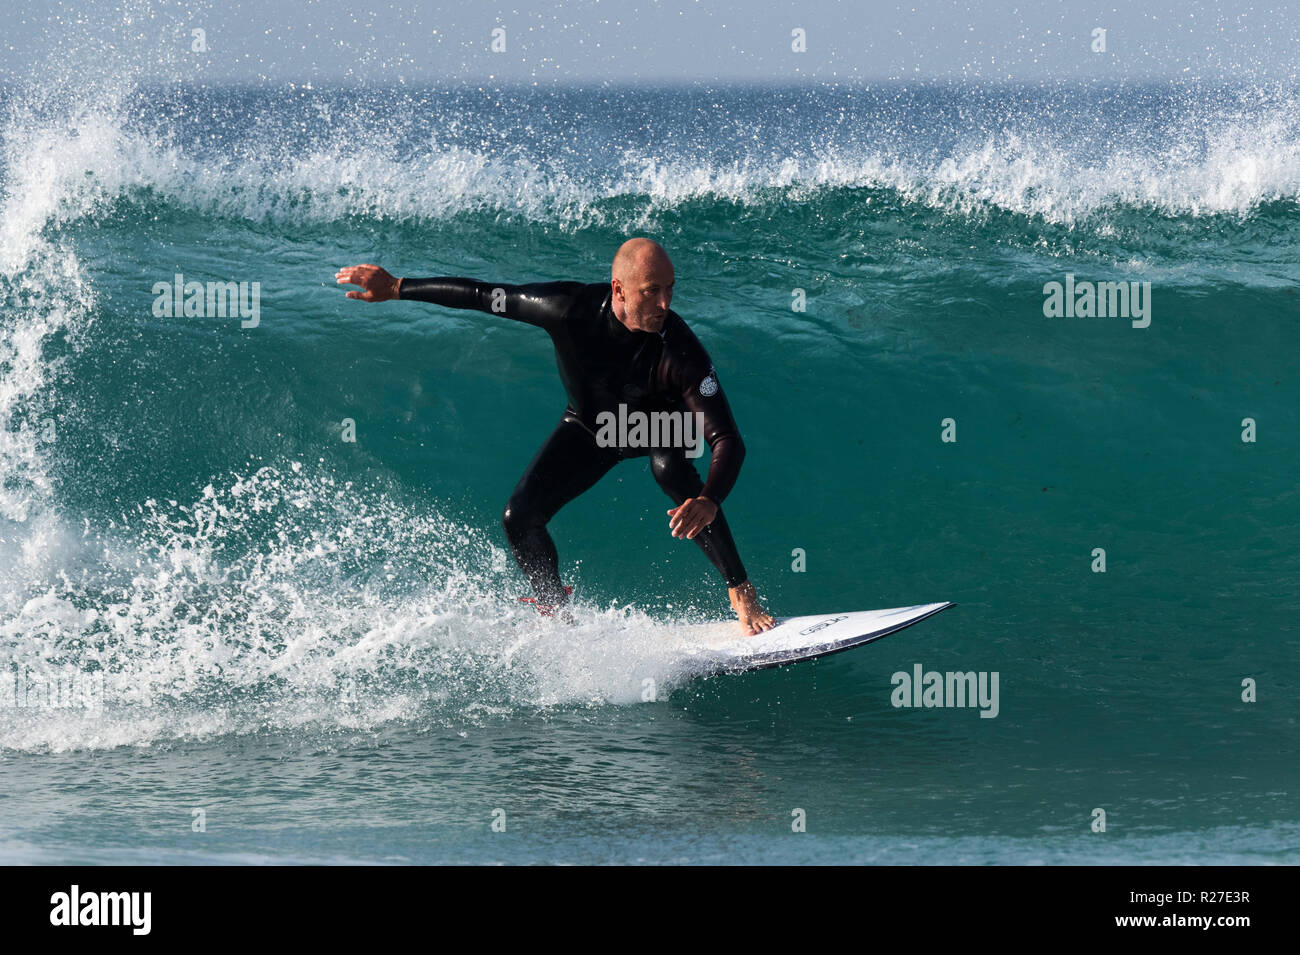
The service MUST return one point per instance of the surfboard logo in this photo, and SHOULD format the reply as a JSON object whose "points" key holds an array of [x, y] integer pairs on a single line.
{"points": [[821, 625], [709, 386]]}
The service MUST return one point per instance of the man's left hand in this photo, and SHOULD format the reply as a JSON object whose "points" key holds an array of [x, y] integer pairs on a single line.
{"points": [[691, 516]]}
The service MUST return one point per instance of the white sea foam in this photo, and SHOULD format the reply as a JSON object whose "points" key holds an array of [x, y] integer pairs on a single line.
{"points": [[284, 600]]}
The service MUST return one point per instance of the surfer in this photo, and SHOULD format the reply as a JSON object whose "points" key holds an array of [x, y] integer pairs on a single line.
{"points": [[616, 344]]}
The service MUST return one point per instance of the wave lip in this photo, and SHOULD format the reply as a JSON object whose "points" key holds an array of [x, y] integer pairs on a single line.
{"points": [[1207, 158]]}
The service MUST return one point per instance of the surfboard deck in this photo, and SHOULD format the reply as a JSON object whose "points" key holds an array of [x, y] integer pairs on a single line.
{"points": [[717, 647]]}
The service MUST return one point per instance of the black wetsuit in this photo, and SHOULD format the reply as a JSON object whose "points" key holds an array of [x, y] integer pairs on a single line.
{"points": [[604, 364]]}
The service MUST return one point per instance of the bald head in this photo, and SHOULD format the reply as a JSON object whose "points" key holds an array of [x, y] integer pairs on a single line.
{"points": [[642, 280], [636, 256]]}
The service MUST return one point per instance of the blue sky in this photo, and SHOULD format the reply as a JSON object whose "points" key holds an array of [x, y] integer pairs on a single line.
{"points": [[327, 41]]}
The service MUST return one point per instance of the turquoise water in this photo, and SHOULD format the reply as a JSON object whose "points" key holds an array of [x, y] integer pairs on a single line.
{"points": [[315, 642]]}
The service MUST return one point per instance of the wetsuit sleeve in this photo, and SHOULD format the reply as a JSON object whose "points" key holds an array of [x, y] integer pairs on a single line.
{"points": [[543, 304], [701, 392]]}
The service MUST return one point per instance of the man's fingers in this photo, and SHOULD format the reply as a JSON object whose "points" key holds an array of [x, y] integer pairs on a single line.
{"points": [[695, 521], [363, 275], [684, 528], [355, 274], [687, 521]]}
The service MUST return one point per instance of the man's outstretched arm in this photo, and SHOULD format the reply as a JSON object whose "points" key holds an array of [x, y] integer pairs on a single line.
{"points": [[542, 303]]}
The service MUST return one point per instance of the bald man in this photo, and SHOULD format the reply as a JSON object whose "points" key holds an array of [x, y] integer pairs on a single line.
{"points": [[620, 351]]}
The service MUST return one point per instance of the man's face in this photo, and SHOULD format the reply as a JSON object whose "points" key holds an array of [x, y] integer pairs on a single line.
{"points": [[646, 296]]}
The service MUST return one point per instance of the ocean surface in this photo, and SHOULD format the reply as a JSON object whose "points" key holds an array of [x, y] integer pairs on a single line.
{"points": [[228, 634]]}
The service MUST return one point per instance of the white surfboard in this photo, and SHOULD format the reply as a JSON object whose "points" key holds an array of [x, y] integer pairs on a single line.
{"points": [[718, 648]]}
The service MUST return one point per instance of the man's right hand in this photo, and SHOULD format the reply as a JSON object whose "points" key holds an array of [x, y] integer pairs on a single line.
{"points": [[377, 285]]}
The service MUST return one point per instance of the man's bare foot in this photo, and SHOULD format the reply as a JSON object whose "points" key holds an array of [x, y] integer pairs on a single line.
{"points": [[753, 618]]}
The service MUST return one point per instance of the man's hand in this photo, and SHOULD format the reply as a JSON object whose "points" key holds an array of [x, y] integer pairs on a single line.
{"points": [[691, 516], [378, 285]]}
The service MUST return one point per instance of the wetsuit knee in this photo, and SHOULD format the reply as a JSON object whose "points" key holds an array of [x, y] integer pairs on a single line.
{"points": [[517, 518], [675, 474]]}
